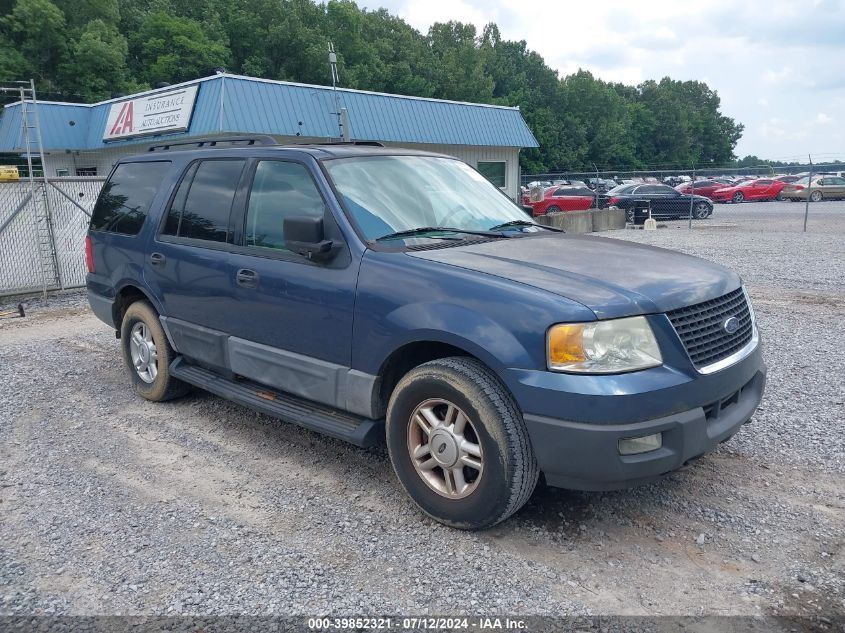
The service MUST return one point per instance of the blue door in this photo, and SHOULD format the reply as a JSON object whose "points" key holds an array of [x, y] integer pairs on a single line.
{"points": [[294, 321], [188, 267]]}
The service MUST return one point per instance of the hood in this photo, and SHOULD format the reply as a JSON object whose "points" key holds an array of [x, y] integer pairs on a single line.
{"points": [[613, 278]]}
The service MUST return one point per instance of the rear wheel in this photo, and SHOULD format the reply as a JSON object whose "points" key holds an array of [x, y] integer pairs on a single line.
{"points": [[701, 211], [738, 197], [147, 354], [816, 196], [779, 197], [553, 209], [459, 445]]}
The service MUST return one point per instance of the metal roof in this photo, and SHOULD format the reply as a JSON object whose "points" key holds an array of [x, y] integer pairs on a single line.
{"points": [[235, 104]]}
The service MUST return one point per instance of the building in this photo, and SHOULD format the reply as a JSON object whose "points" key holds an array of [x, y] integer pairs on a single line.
{"points": [[88, 139]]}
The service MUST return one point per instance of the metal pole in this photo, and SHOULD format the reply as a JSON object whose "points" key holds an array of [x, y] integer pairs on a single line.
{"points": [[596, 188], [809, 184], [691, 194]]}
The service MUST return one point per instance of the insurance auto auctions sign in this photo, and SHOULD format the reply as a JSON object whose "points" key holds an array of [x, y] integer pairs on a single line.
{"points": [[160, 113]]}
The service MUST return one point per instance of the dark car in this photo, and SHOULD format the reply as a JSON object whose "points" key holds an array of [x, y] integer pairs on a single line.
{"points": [[387, 295], [665, 202]]}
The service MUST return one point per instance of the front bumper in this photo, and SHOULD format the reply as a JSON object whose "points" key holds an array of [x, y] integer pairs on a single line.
{"points": [[586, 456]]}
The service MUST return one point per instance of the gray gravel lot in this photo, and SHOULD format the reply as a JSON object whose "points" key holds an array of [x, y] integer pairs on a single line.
{"points": [[113, 505]]}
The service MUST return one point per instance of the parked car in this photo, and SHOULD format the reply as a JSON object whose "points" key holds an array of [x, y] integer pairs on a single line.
{"points": [[701, 187], [382, 294], [564, 199], [788, 179], [750, 190], [824, 188], [666, 203]]}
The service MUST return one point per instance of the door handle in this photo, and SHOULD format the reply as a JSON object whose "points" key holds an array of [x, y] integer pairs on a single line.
{"points": [[157, 259], [247, 278]]}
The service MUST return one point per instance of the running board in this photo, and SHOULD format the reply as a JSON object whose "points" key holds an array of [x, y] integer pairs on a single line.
{"points": [[351, 428]]}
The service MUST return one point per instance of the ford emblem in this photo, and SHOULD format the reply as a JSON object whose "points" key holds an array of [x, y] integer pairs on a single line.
{"points": [[730, 326]]}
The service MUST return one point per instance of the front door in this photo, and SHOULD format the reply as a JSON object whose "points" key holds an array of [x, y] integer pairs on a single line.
{"points": [[293, 329]]}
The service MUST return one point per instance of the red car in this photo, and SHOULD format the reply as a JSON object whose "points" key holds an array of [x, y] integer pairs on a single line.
{"points": [[759, 189], [704, 188], [564, 199]]}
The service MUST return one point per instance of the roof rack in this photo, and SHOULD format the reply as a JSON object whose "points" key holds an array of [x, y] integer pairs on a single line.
{"points": [[365, 143], [245, 141]]}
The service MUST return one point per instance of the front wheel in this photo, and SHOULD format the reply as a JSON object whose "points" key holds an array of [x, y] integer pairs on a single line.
{"points": [[459, 445], [738, 197], [147, 354], [779, 197]]}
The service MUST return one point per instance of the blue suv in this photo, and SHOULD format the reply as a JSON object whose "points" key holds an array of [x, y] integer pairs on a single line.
{"points": [[377, 294]]}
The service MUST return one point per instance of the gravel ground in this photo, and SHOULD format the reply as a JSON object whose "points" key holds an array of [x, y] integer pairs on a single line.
{"points": [[113, 505]]}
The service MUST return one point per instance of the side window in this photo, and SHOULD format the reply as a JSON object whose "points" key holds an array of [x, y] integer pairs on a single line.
{"points": [[125, 199], [494, 172], [203, 202], [279, 190]]}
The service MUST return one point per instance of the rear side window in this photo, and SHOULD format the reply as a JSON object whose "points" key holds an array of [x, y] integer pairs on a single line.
{"points": [[125, 200], [203, 202]]}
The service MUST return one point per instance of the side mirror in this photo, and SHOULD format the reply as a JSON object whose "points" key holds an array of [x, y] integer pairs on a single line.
{"points": [[304, 235]]}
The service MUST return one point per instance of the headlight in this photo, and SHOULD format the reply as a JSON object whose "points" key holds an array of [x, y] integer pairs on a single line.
{"points": [[602, 347]]}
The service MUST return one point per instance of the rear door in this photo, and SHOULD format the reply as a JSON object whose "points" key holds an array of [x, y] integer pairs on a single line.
{"points": [[188, 263]]}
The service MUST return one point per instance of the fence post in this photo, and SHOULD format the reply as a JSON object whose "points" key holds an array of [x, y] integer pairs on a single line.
{"points": [[809, 184], [691, 194]]}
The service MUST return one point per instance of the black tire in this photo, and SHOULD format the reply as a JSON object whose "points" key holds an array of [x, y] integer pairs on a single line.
{"points": [[163, 387], [510, 469], [629, 216], [816, 196], [779, 197], [553, 209], [738, 197], [701, 211]]}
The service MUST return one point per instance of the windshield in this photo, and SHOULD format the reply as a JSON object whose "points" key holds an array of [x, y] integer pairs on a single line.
{"points": [[389, 194]]}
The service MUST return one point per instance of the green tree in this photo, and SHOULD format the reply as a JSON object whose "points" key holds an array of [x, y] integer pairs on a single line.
{"points": [[96, 67], [174, 49], [36, 29]]}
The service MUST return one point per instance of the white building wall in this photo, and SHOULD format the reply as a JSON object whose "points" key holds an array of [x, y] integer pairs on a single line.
{"points": [[103, 160]]}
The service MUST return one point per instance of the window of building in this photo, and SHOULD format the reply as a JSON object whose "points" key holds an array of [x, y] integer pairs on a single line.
{"points": [[495, 172], [203, 202], [86, 171], [125, 199], [279, 190], [62, 173]]}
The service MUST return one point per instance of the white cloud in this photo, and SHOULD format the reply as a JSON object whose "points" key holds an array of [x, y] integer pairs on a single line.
{"points": [[762, 58], [823, 119]]}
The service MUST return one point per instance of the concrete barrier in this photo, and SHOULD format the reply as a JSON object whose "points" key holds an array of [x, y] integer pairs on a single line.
{"points": [[585, 221], [608, 219]]}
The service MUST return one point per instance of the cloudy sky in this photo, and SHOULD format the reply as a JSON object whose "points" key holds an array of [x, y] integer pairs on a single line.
{"points": [[777, 65]]}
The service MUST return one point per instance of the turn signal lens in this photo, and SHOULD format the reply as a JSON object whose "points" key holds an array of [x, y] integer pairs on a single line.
{"points": [[565, 344]]}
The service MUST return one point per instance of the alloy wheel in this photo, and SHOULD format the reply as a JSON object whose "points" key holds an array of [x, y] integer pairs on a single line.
{"points": [[445, 449], [143, 352]]}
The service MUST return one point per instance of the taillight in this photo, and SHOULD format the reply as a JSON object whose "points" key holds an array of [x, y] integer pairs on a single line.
{"points": [[799, 187], [89, 254], [613, 201]]}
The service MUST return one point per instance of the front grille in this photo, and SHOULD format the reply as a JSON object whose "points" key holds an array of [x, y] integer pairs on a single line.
{"points": [[700, 328]]}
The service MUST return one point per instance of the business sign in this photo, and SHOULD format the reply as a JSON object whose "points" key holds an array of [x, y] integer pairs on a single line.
{"points": [[160, 113]]}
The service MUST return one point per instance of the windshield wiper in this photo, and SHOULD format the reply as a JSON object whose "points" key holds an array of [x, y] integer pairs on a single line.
{"points": [[436, 229], [506, 225]]}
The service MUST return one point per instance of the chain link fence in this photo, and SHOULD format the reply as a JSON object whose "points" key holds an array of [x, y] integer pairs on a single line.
{"points": [[42, 233]]}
